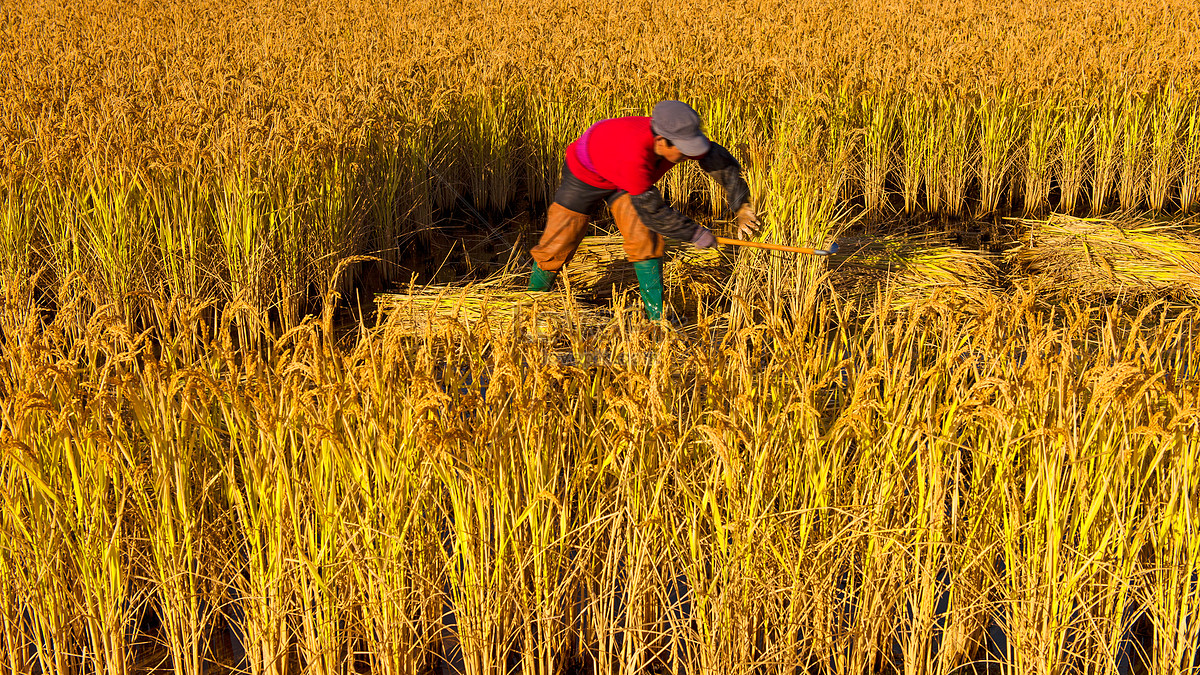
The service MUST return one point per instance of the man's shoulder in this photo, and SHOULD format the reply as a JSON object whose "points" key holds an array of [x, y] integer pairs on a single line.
{"points": [[625, 125]]}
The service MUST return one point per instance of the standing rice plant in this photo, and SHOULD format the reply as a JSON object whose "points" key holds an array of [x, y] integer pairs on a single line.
{"points": [[42, 595], [320, 613], [801, 209], [803, 618], [865, 580], [97, 498], [1171, 594], [925, 559], [258, 482], [1166, 122], [932, 145], [642, 599], [940, 614], [1063, 519], [685, 185], [726, 123], [316, 526], [335, 209], [1000, 126], [629, 564], [552, 118], [13, 556], [757, 150], [1189, 180], [242, 215], [880, 111], [479, 566], [559, 530], [19, 196], [488, 136], [547, 538], [481, 515], [1043, 153], [418, 188], [51, 639], [1136, 149], [853, 587], [1040, 594], [1170, 564], [960, 155], [78, 480], [397, 187], [116, 221], [1074, 166], [1106, 148], [173, 414], [726, 506], [942, 592], [445, 156], [785, 642], [841, 138], [1118, 533], [182, 210], [914, 130], [397, 559], [61, 224]]}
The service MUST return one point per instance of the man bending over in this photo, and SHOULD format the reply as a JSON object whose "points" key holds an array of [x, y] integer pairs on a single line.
{"points": [[618, 161]]}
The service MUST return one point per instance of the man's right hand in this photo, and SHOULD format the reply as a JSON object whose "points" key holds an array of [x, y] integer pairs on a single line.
{"points": [[748, 226]]}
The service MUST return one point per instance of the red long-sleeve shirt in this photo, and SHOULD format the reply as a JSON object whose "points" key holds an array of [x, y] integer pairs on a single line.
{"points": [[620, 156]]}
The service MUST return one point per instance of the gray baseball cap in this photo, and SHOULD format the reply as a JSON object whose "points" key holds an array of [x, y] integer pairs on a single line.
{"points": [[677, 122]]}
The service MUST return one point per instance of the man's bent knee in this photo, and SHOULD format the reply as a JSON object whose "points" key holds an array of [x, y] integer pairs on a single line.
{"points": [[640, 242], [564, 231]]}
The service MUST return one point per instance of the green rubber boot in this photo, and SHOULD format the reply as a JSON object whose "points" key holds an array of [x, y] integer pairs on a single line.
{"points": [[650, 286], [540, 279]]}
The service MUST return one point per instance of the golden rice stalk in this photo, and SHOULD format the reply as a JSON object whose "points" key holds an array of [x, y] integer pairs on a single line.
{"points": [[880, 111], [1106, 149], [913, 128], [1073, 157], [914, 267], [1000, 121], [1110, 256], [1166, 123], [1133, 183], [1043, 149]]}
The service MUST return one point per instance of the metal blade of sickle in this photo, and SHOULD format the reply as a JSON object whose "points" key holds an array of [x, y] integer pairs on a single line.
{"points": [[780, 247]]}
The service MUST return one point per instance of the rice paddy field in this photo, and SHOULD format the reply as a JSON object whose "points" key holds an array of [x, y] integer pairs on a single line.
{"points": [[273, 399]]}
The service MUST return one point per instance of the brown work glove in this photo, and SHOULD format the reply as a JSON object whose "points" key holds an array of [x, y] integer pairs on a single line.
{"points": [[703, 238], [747, 222]]}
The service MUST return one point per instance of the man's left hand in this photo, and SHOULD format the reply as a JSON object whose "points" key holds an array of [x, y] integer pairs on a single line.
{"points": [[748, 226]]}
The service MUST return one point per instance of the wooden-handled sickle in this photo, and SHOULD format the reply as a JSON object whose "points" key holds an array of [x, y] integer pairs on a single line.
{"points": [[780, 247]]}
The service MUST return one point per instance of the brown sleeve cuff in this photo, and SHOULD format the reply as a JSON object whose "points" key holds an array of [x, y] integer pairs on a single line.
{"points": [[721, 165]]}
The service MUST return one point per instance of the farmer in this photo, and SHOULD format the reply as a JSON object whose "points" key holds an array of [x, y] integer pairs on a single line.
{"points": [[617, 161]]}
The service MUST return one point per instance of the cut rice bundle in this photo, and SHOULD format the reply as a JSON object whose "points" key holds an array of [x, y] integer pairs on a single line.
{"points": [[600, 267], [913, 267], [916, 267], [1105, 257], [493, 303]]}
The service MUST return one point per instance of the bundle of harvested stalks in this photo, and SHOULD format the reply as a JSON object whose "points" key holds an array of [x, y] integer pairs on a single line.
{"points": [[493, 302], [600, 266], [913, 267], [1104, 257]]}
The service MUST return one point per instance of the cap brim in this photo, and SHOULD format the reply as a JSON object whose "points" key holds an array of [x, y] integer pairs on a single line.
{"points": [[696, 146]]}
